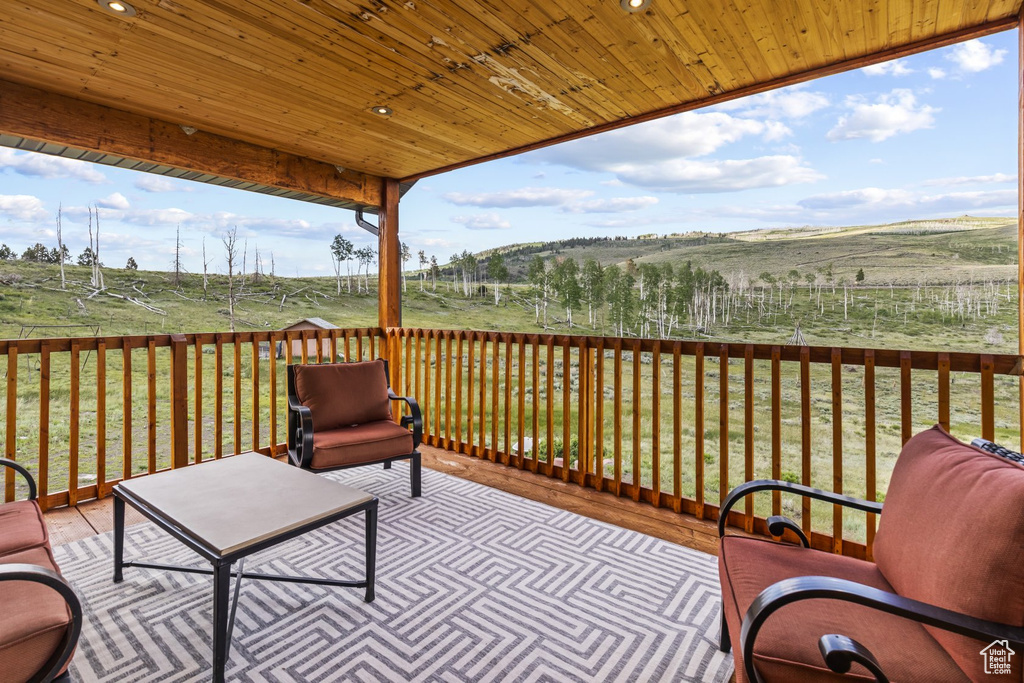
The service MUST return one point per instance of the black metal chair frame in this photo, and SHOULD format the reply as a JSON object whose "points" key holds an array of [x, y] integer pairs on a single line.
{"points": [[54, 581], [300, 433], [839, 652]]}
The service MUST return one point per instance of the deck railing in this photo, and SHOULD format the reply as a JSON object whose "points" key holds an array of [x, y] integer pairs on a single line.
{"points": [[674, 424]]}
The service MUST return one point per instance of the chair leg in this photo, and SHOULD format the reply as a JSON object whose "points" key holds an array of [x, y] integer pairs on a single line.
{"points": [[387, 465], [414, 475], [724, 643]]}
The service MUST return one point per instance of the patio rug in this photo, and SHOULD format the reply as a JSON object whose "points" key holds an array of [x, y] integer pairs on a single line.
{"points": [[473, 584]]}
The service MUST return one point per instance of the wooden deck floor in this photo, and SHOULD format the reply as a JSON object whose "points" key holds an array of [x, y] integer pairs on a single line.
{"points": [[95, 517]]}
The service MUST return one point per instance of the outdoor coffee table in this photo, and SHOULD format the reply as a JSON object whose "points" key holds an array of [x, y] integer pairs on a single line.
{"points": [[228, 509]]}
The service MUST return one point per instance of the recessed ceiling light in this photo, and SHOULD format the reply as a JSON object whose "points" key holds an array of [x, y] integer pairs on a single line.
{"points": [[381, 110], [118, 7], [634, 5]]}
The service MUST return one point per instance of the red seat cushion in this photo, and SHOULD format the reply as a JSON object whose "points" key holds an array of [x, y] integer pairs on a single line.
{"points": [[35, 619], [952, 534], [787, 646], [21, 527], [343, 394], [364, 443]]}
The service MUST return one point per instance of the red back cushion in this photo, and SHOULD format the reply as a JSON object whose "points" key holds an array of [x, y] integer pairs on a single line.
{"points": [[343, 394], [952, 534]]}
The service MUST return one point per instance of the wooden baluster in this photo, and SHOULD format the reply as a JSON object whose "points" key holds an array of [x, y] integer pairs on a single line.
{"points": [[677, 426], [11, 442], [566, 409], [448, 391], [617, 416], [127, 468], [333, 350], [44, 423], [637, 479], [599, 482], [101, 418], [348, 347], [237, 393], [520, 461], [304, 337], [585, 423], [427, 398], [407, 362], [698, 425], [218, 406], [470, 393], [776, 426], [359, 346], [73, 444], [437, 390], [318, 335], [837, 448], [197, 453], [723, 422], [944, 390], [870, 476], [179, 400], [805, 434], [372, 338], [508, 460], [748, 432], [482, 436], [656, 425], [988, 427], [151, 407], [495, 384], [906, 389], [256, 389], [551, 406]]}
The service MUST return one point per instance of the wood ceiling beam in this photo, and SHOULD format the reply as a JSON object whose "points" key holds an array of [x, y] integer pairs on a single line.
{"points": [[933, 43], [48, 117]]}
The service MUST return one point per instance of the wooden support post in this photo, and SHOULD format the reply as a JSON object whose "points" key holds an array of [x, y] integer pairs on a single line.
{"points": [[389, 287], [1020, 217], [179, 401]]}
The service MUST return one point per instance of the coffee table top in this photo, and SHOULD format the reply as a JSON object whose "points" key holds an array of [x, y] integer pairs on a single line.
{"points": [[233, 503]]}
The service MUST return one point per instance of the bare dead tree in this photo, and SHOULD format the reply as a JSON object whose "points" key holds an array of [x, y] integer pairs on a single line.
{"points": [[177, 256], [206, 265], [231, 256], [60, 244]]}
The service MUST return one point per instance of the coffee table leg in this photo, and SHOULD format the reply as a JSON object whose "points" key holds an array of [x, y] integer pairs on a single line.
{"points": [[221, 592], [371, 550], [118, 539]]}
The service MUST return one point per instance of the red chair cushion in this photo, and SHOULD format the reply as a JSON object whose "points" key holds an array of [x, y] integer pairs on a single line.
{"points": [[952, 534], [35, 619], [22, 527], [343, 394], [365, 443], [787, 646]]}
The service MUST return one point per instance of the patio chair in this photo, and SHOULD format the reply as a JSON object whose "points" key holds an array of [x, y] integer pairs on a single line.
{"points": [[40, 615], [339, 415], [943, 600]]}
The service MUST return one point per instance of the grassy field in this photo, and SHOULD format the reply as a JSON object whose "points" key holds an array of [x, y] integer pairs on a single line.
{"points": [[915, 275]]}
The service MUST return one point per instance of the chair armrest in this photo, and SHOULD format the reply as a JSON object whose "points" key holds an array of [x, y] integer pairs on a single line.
{"points": [[54, 581], [414, 418], [17, 467], [792, 590], [744, 490], [302, 453], [778, 524]]}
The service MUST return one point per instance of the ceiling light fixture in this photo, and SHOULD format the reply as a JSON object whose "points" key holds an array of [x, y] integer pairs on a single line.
{"points": [[118, 7], [634, 5], [381, 110]]}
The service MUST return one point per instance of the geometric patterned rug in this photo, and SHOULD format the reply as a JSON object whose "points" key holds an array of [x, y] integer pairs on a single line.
{"points": [[473, 584]]}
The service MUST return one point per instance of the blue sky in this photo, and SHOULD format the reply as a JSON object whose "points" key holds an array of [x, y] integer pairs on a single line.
{"points": [[926, 136]]}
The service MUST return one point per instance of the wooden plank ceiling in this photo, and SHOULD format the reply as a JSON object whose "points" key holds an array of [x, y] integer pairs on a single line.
{"points": [[465, 79]]}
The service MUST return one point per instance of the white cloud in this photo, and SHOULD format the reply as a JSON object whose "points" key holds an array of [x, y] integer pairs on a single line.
{"points": [[523, 197], [613, 205], [974, 56], [482, 221], [22, 207], [46, 166], [896, 67], [972, 180], [937, 73], [692, 176], [849, 198], [115, 201], [891, 113], [794, 102], [155, 183]]}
